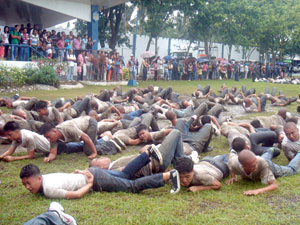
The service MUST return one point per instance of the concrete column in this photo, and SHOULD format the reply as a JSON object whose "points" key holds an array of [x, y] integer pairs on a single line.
{"points": [[93, 25]]}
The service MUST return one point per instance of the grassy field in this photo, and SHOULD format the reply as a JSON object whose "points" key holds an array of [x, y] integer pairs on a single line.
{"points": [[226, 206]]}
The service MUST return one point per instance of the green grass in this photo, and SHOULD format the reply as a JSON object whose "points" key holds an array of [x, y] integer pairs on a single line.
{"points": [[226, 206]]}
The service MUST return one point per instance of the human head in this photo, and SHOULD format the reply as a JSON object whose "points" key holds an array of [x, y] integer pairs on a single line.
{"points": [[247, 102], [50, 132], [6, 29], [185, 168], [205, 119], [94, 114], [298, 109], [282, 112], [31, 178], [291, 131], [248, 161], [170, 115], [17, 28], [102, 162], [184, 104], [11, 130], [238, 144], [256, 124], [143, 132], [41, 108], [94, 104], [150, 87]]}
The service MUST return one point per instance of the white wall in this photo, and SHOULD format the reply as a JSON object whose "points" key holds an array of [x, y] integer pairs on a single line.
{"points": [[175, 43]]}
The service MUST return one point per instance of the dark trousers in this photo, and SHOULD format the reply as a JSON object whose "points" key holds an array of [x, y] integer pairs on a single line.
{"points": [[82, 105], [114, 181], [262, 141]]}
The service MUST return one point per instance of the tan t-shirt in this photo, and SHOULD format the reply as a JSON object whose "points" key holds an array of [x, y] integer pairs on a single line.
{"points": [[158, 136], [125, 134], [205, 173], [262, 173], [52, 117], [33, 142]]}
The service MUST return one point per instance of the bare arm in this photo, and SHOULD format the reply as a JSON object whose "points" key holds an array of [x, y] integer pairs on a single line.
{"points": [[258, 104], [134, 141], [213, 119], [87, 140], [216, 186], [9, 152], [30, 155], [82, 191], [272, 186], [52, 155]]}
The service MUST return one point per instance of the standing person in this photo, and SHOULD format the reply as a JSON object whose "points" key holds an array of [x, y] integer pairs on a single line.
{"points": [[34, 40], [77, 45], [236, 69], [145, 69], [24, 45], [89, 44], [84, 42], [5, 37], [71, 64], [137, 64], [190, 71], [255, 71], [170, 70], [246, 71], [229, 70], [175, 70], [159, 67], [214, 70], [15, 40], [242, 70], [61, 45], [117, 66], [204, 71], [80, 62], [155, 69]]}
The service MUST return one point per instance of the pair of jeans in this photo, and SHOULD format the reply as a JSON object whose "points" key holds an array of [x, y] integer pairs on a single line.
{"points": [[145, 71], [23, 52], [170, 74], [114, 181], [215, 110], [70, 73], [166, 93], [236, 76], [200, 139], [92, 133], [282, 171], [48, 218], [146, 119], [82, 105], [262, 141], [132, 115], [14, 49]]}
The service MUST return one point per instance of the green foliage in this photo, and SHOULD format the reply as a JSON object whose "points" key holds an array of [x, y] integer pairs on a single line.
{"points": [[44, 75], [12, 76], [125, 73]]}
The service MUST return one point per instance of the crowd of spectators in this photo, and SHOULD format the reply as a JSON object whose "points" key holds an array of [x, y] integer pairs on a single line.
{"points": [[21, 42]]}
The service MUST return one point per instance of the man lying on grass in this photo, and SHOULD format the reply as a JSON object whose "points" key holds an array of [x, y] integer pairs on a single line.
{"points": [[252, 167], [75, 185], [32, 141]]}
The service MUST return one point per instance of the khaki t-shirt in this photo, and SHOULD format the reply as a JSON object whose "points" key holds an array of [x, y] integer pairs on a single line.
{"points": [[262, 173], [158, 136], [205, 173], [126, 134], [52, 117], [33, 141]]}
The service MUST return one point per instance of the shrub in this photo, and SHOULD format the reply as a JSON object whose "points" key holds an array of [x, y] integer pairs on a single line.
{"points": [[125, 73], [42, 75], [12, 76]]}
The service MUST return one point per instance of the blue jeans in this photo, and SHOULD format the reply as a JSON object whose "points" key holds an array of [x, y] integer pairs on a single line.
{"points": [[171, 149], [132, 115], [170, 74], [282, 171], [236, 76], [14, 49], [48, 218], [82, 105], [70, 73], [114, 181], [23, 52], [200, 139]]}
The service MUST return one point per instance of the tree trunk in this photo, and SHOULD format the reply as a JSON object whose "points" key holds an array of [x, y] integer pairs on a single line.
{"points": [[229, 52], [149, 43], [188, 50], [156, 46], [207, 52], [116, 12], [273, 57]]}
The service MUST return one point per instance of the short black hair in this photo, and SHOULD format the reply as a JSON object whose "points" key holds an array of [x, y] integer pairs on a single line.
{"points": [[298, 109], [205, 119], [41, 105], [29, 171], [11, 126], [256, 123], [46, 128], [238, 144], [141, 127], [184, 165]]}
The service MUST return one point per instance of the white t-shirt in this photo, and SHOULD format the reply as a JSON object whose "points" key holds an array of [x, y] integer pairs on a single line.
{"points": [[56, 185], [33, 141], [34, 39], [19, 102], [71, 59]]}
